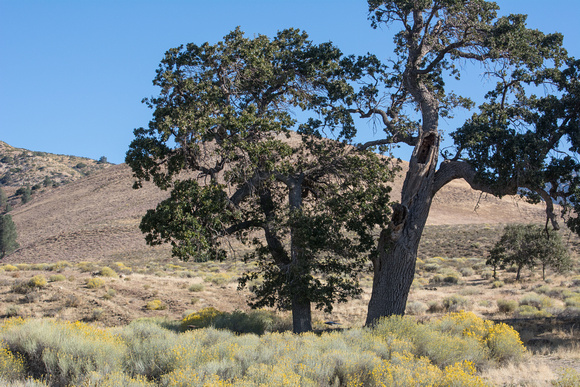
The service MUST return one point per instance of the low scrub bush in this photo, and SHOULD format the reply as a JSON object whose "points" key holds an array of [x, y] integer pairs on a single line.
{"points": [[435, 307], [466, 271], [86, 267], [497, 284], [529, 311], [415, 308], [196, 288], [60, 265], [57, 278], [537, 301], [573, 301], [108, 272], [201, 319], [121, 268], [567, 377], [37, 282], [218, 279], [455, 303], [155, 305], [397, 351], [63, 353], [507, 306], [11, 366], [95, 283], [110, 294]]}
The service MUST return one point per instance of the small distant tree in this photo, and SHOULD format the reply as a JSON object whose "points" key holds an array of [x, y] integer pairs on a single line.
{"points": [[25, 192], [3, 201], [529, 245], [102, 160], [7, 236]]}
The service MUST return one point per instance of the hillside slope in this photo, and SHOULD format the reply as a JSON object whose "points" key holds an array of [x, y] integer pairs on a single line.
{"points": [[19, 167], [97, 217]]}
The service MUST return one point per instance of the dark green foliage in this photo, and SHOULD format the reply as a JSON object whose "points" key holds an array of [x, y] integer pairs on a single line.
{"points": [[529, 245], [306, 205], [7, 236], [3, 201], [25, 193], [102, 160]]}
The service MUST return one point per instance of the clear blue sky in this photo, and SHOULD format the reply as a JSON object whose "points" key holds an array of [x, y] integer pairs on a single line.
{"points": [[73, 72]]}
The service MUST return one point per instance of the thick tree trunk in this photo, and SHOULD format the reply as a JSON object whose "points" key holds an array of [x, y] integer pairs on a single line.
{"points": [[301, 316], [394, 269], [301, 309]]}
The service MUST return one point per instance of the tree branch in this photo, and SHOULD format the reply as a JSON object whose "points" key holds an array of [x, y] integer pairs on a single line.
{"points": [[455, 169]]}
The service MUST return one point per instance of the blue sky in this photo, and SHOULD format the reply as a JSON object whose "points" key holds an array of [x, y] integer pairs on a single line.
{"points": [[73, 72]]}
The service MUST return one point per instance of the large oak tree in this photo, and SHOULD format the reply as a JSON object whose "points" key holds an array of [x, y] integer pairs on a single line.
{"points": [[220, 140], [519, 143]]}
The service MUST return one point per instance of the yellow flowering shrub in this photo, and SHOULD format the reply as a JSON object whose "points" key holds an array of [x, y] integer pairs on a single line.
{"points": [[155, 305], [106, 271], [201, 319], [11, 366], [95, 283], [38, 281]]}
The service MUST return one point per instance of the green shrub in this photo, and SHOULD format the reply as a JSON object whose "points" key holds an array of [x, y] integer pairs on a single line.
{"points": [[507, 306], [537, 301], [122, 268], [196, 288], [432, 267], [115, 379], [573, 301], [451, 278], [155, 305], [63, 352], [466, 271], [218, 279], [60, 265], [57, 278], [455, 303], [9, 267], [497, 284], [415, 308], [86, 267], [110, 294], [529, 311], [95, 283], [435, 307], [12, 311], [567, 377], [436, 279]]}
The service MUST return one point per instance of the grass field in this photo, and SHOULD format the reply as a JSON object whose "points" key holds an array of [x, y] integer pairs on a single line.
{"points": [[146, 294]]}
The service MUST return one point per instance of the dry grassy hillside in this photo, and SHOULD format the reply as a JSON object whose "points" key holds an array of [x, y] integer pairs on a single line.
{"points": [[90, 219], [19, 167], [97, 217]]}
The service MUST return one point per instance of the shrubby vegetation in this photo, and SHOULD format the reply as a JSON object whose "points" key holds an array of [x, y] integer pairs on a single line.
{"points": [[397, 351]]}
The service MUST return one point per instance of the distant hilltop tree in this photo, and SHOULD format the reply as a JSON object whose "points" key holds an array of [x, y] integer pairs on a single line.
{"points": [[8, 236]]}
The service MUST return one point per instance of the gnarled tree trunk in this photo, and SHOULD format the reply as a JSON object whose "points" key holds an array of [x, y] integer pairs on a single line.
{"points": [[394, 268]]}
